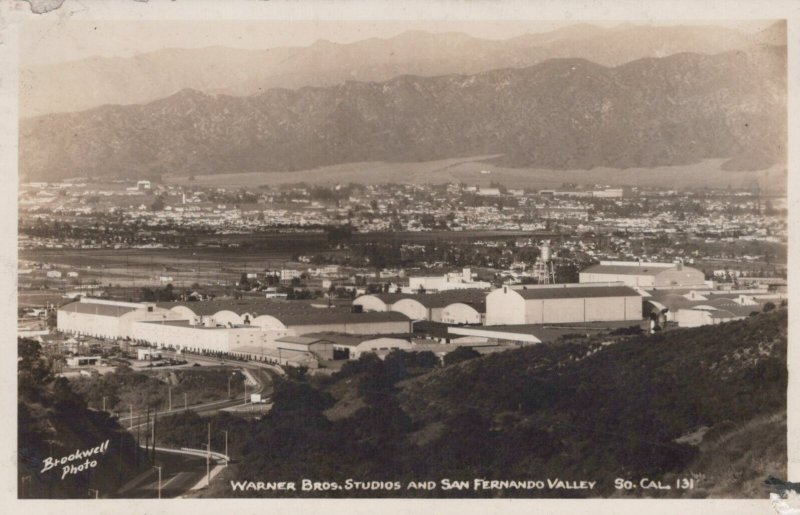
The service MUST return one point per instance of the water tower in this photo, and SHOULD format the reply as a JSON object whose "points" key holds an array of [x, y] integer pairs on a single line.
{"points": [[544, 269]]}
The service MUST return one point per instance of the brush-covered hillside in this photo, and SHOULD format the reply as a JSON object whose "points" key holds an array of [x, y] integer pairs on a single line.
{"points": [[54, 422], [557, 114], [688, 403]]}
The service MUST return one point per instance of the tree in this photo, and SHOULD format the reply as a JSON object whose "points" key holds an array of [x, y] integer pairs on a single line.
{"points": [[52, 319], [460, 354], [158, 204], [148, 295], [401, 363], [769, 306], [31, 364]]}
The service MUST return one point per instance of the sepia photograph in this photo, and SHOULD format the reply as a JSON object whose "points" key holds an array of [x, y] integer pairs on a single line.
{"points": [[401, 258]]}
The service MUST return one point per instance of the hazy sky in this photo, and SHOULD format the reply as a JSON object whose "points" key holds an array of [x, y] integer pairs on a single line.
{"points": [[48, 41]]}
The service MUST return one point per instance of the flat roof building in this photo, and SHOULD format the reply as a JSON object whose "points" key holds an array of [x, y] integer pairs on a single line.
{"points": [[738, 302], [463, 280], [319, 348], [106, 318], [644, 275], [706, 315], [562, 303]]}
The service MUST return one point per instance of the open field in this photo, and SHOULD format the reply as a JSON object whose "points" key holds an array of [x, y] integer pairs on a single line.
{"points": [[469, 170], [273, 250], [144, 267], [272, 241], [35, 299], [137, 268], [376, 172]]}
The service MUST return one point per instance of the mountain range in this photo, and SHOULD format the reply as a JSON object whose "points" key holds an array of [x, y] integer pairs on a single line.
{"points": [[559, 114], [95, 81]]}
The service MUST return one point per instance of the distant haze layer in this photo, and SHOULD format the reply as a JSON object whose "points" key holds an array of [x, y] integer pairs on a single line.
{"points": [[95, 81]]}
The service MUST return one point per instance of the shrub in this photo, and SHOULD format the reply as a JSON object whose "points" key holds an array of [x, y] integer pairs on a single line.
{"points": [[461, 354]]}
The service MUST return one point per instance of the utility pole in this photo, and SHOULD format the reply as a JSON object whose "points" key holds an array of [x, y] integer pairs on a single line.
{"points": [[131, 416], [170, 397], [185, 406], [159, 479], [22, 485], [146, 432], [208, 456], [155, 415], [104, 402], [227, 459], [138, 443]]}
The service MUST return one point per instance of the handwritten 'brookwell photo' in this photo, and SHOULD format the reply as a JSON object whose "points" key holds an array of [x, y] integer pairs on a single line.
{"points": [[403, 259]]}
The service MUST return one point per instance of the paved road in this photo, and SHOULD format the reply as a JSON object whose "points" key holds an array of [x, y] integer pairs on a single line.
{"points": [[179, 473], [261, 373]]}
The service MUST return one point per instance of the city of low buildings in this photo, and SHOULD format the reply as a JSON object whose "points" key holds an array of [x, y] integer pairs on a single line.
{"points": [[391, 267], [162, 211]]}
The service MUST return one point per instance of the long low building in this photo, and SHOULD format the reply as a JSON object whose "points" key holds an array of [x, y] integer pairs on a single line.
{"points": [[530, 334], [466, 306], [296, 317], [644, 275], [347, 323], [352, 347], [691, 308], [317, 347], [107, 319], [517, 335], [223, 326], [181, 335], [562, 303], [706, 315]]}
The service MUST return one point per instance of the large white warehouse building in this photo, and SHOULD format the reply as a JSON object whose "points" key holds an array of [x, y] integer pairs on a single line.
{"points": [[220, 326], [292, 318], [562, 303], [106, 318], [452, 307], [180, 334], [644, 275]]}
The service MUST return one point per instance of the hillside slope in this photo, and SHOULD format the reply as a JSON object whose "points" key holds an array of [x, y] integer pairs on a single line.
{"points": [[735, 462], [683, 404], [561, 114], [620, 411], [54, 422]]}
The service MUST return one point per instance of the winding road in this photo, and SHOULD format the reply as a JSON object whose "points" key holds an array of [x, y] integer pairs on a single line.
{"points": [[185, 470]]}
